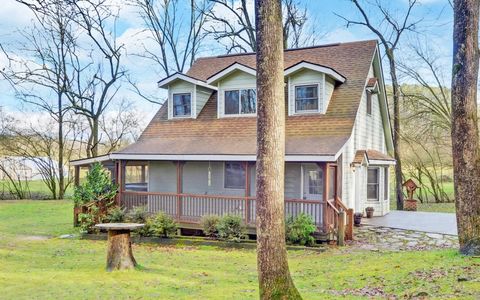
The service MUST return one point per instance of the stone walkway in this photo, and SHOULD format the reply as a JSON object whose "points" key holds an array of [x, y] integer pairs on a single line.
{"points": [[442, 223], [376, 238]]}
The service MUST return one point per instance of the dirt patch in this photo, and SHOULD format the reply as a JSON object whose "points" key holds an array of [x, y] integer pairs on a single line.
{"points": [[33, 237]]}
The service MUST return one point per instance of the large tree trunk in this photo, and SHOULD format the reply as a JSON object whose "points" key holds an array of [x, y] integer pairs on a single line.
{"points": [[273, 272], [94, 137], [396, 130], [119, 253], [465, 140], [61, 178]]}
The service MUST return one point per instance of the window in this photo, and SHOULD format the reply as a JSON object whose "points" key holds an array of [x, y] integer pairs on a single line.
{"points": [[372, 184], [182, 105], [240, 102], [385, 184], [234, 175], [306, 98], [369, 103]]}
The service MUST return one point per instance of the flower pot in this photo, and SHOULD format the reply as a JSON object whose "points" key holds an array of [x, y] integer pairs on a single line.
{"points": [[369, 211], [357, 219]]}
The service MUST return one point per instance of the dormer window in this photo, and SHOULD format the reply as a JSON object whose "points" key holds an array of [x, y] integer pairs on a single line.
{"points": [[306, 98], [240, 102], [182, 105]]}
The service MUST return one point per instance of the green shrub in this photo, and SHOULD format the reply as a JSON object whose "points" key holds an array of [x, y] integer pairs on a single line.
{"points": [[97, 187], [231, 228], [87, 222], [140, 214], [116, 215], [299, 230], [209, 225], [163, 225]]}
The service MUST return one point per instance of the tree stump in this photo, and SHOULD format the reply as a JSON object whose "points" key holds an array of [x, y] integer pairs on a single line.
{"points": [[119, 251]]}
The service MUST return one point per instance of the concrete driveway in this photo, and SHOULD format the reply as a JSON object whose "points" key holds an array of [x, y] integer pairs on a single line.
{"points": [[443, 223]]}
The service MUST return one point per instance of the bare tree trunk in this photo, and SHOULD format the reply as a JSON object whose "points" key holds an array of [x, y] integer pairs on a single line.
{"points": [[396, 130], [273, 272], [61, 179], [94, 140], [465, 140]]}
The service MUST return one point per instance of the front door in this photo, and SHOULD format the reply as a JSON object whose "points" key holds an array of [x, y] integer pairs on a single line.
{"points": [[313, 178]]}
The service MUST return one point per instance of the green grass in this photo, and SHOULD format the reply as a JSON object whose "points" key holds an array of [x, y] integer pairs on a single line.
{"points": [[429, 207], [74, 269], [36, 187]]}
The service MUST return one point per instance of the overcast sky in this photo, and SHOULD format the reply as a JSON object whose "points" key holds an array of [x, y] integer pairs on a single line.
{"points": [[435, 29]]}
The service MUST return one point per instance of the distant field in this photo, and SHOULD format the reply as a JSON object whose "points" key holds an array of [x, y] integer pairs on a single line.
{"points": [[36, 187]]}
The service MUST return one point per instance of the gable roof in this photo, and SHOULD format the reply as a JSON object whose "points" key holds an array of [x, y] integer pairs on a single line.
{"points": [[179, 76], [229, 70], [315, 67], [314, 135]]}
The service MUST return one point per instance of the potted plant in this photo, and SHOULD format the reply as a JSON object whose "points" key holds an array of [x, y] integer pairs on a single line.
{"points": [[369, 211], [357, 219]]}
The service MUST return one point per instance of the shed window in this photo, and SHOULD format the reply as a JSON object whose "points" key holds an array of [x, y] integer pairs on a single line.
{"points": [[306, 98], [234, 175], [385, 184], [240, 102], [372, 184], [182, 105], [369, 103]]}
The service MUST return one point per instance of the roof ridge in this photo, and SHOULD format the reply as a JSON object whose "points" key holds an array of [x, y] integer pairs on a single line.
{"points": [[290, 49]]}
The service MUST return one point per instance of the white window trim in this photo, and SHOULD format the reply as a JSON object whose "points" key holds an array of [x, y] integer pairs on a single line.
{"points": [[374, 200], [306, 112], [192, 104], [221, 95], [223, 177], [371, 103]]}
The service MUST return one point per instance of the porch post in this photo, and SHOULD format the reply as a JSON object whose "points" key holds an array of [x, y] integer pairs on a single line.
{"points": [[142, 176], [325, 195], [247, 192], [179, 188], [77, 176], [117, 182]]}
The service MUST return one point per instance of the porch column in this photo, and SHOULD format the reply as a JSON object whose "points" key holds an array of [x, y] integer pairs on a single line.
{"points": [[247, 192], [325, 195], [179, 188], [77, 176], [116, 170], [142, 176]]}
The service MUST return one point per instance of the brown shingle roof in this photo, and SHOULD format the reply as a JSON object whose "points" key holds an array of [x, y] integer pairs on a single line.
{"points": [[371, 82], [376, 155], [310, 134]]}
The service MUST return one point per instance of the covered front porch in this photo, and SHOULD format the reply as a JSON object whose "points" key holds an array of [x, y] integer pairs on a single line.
{"points": [[189, 190]]}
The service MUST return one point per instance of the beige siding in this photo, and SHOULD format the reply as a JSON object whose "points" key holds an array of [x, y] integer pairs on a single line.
{"points": [[162, 177], [329, 87], [303, 77], [368, 133], [202, 96]]}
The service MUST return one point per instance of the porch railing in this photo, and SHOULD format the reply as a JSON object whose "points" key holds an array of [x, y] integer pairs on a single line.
{"points": [[189, 208]]}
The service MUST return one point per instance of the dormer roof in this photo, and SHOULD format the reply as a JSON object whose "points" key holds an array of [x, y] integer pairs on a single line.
{"points": [[214, 78], [179, 76], [314, 67]]}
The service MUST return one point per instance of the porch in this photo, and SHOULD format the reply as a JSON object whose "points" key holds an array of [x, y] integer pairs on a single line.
{"points": [[189, 190]]}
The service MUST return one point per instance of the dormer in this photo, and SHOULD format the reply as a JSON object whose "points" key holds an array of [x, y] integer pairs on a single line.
{"points": [[310, 87], [237, 93], [186, 95]]}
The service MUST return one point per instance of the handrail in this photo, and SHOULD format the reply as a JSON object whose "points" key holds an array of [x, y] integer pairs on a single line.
{"points": [[333, 207], [339, 202]]}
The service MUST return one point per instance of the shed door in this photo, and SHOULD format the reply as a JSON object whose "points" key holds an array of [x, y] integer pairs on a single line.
{"points": [[313, 179]]}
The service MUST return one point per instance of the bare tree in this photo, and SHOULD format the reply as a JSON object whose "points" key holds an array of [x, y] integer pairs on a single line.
{"points": [[44, 73], [176, 32], [273, 272], [465, 140], [97, 77], [120, 127], [236, 31], [389, 30]]}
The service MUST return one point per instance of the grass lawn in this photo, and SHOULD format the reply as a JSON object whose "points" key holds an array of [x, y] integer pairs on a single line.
{"points": [[37, 187], [33, 267]]}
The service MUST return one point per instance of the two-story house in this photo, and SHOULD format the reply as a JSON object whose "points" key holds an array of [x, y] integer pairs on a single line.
{"points": [[197, 155]]}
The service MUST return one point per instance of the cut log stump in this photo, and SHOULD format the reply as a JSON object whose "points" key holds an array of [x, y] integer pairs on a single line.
{"points": [[119, 252]]}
